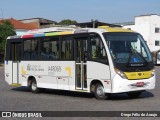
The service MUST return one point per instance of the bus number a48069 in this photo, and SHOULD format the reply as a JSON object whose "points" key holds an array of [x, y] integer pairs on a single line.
{"points": [[54, 68]]}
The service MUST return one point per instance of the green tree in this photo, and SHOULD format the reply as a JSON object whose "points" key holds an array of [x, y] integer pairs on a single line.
{"points": [[68, 22], [6, 29]]}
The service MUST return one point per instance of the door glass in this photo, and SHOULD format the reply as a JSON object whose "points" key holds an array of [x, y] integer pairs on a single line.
{"points": [[85, 76], [78, 49], [84, 50], [15, 52], [78, 66], [81, 59], [78, 75], [15, 55], [18, 52], [12, 52], [85, 54]]}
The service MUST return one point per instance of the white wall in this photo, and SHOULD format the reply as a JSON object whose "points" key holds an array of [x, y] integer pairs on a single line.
{"points": [[155, 23], [145, 25]]}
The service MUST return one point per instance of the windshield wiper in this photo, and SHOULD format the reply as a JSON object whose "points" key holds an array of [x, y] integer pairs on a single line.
{"points": [[133, 51], [136, 52], [141, 56]]}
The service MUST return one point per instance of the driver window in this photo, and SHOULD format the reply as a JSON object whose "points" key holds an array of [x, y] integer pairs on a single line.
{"points": [[98, 52]]}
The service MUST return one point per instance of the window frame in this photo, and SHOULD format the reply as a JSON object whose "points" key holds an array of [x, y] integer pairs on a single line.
{"points": [[8, 47], [38, 43], [157, 30], [90, 48], [50, 38], [158, 41], [62, 38]]}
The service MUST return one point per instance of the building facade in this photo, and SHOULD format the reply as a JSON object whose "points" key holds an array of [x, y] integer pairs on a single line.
{"points": [[149, 27]]}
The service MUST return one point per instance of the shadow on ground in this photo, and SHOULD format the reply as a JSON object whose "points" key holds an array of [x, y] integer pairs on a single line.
{"points": [[121, 96]]}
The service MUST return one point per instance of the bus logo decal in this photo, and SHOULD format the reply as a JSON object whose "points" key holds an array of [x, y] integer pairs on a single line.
{"points": [[23, 71], [68, 69], [28, 67], [139, 74]]}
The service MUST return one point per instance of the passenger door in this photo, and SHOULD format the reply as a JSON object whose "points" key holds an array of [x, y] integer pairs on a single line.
{"points": [[81, 50], [16, 53]]}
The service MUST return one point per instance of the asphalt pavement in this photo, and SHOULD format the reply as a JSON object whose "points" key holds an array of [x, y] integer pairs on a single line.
{"points": [[21, 99]]}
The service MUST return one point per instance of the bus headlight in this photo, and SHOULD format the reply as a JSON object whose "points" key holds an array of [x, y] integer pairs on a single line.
{"points": [[152, 72], [120, 73]]}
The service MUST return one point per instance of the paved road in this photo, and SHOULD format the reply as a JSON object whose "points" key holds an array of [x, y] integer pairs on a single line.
{"points": [[21, 99]]}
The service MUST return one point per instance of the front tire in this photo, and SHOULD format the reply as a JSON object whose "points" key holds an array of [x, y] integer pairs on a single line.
{"points": [[100, 92], [34, 87]]}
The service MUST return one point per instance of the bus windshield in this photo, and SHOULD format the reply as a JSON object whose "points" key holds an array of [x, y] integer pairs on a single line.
{"points": [[129, 48]]}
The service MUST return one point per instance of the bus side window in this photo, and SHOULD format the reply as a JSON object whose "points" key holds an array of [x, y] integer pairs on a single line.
{"points": [[34, 50], [45, 50], [54, 50], [98, 52], [50, 49], [66, 49], [27, 49]]}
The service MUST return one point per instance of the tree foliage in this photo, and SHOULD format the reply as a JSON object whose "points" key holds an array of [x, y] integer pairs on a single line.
{"points": [[68, 22], [6, 29]]}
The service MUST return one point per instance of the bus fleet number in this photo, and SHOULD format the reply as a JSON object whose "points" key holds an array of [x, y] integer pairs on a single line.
{"points": [[54, 68]]}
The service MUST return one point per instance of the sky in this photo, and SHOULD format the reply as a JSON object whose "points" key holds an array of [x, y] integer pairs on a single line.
{"points": [[110, 11]]}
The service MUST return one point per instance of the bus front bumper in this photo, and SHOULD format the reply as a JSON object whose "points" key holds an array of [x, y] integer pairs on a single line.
{"points": [[120, 85]]}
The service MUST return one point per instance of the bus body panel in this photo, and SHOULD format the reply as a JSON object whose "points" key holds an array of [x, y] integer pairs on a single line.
{"points": [[49, 74], [121, 85], [15, 73], [63, 74], [8, 72], [99, 71], [110, 61], [12, 75]]}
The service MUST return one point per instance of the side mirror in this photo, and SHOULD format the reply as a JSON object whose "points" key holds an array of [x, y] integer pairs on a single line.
{"points": [[154, 56], [158, 57]]}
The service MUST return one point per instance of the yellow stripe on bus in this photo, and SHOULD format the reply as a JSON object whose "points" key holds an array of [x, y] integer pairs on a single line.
{"points": [[138, 75], [59, 33], [15, 84], [114, 29]]}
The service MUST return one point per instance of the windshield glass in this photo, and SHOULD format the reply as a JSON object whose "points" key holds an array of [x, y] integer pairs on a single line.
{"points": [[128, 48]]}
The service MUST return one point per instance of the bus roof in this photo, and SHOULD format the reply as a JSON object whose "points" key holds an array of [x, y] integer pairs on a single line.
{"points": [[66, 31], [115, 29], [51, 29]]}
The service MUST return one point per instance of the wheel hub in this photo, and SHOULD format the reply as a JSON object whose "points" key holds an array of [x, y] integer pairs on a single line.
{"points": [[100, 91], [34, 86]]}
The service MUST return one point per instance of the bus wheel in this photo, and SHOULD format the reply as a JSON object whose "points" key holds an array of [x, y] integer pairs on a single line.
{"points": [[34, 87], [134, 94], [99, 92]]}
